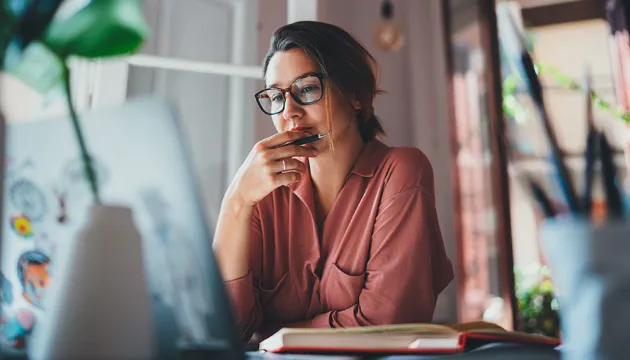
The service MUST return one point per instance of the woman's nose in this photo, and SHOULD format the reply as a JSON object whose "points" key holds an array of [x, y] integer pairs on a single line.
{"points": [[291, 108]]}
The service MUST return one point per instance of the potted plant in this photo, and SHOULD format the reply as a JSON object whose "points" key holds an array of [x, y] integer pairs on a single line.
{"points": [[37, 40], [537, 304]]}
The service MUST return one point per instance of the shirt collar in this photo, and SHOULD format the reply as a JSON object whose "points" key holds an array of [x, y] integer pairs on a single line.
{"points": [[366, 165], [370, 158]]}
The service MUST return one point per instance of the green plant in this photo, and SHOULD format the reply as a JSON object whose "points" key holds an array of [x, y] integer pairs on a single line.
{"points": [[38, 37], [537, 303], [516, 111]]}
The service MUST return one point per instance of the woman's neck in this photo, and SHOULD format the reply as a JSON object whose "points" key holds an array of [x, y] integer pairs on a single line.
{"points": [[329, 171]]}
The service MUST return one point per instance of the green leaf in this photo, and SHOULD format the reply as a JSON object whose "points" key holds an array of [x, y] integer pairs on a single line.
{"points": [[101, 29], [6, 25], [38, 67], [23, 22]]}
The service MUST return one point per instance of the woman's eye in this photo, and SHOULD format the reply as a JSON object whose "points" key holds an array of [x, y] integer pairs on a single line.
{"points": [[309, 88], [276, 98]]}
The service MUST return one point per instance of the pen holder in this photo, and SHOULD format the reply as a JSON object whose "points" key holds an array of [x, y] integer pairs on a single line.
{"points": [[590, 267]]}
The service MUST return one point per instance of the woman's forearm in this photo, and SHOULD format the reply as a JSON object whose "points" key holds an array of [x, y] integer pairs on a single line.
{"points": [[232, 238]]}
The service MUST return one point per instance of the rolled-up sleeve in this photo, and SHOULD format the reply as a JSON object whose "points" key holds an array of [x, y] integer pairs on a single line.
{"points": [[244, 294], [407, 269]]}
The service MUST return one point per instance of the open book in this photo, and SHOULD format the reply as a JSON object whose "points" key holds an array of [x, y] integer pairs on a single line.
{"points": [[406, 338]]}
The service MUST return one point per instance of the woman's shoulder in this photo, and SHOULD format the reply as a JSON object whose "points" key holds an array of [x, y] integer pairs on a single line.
{"points": [[407, 156], [405, 168]]}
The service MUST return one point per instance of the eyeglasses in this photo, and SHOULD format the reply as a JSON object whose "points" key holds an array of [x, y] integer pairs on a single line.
{"points": [[305, 90]]}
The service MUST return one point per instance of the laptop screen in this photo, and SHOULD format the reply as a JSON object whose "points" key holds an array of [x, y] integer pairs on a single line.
{"points": [[141, 160]]}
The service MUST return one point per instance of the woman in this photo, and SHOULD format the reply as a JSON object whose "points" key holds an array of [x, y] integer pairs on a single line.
{"points": [[340, 232]]}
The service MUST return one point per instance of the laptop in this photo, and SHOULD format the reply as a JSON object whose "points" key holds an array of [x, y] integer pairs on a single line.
{"points": [[142, 162]]}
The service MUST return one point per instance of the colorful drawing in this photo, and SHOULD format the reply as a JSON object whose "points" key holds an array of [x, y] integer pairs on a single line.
{"points": [[28, 198], [34, 274], [7, 290], [21, 224], [15, 328]]}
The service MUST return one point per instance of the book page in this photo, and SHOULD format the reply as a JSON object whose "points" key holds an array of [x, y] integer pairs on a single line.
{"points": [[477, 326], [401, 328]]}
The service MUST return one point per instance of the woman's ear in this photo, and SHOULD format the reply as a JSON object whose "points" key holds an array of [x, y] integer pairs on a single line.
{"points": [[356, 104]]}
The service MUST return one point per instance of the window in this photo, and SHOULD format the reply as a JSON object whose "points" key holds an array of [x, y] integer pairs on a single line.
{"points": [[204, 57]]}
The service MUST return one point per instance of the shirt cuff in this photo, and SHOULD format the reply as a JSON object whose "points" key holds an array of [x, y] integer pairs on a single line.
{"points": [[241, 291], [322, 321]]}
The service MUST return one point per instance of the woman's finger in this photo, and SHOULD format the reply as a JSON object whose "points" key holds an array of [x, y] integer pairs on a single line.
{"points": [[287, 152], [282, 165], [287, 178]]}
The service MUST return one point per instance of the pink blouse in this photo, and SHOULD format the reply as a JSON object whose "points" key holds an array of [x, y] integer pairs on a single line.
{"points": [[379, 260]]}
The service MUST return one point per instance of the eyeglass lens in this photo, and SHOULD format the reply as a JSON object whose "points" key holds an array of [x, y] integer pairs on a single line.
{"points": [[305, 91]]}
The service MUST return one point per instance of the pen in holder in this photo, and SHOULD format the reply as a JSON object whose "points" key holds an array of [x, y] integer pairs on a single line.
{"points": [[591, 274]]}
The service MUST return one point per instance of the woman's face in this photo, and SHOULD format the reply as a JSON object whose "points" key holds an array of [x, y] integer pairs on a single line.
{"points": [[284, 69]]}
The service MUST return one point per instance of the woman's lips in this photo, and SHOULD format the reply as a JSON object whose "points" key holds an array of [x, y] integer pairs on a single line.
{"points": [[306, 129]]}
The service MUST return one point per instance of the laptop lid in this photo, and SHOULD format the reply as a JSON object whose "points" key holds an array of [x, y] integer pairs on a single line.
{"points": [[142, 162]]}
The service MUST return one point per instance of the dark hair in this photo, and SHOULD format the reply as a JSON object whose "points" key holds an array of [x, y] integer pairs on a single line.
{"points": [[341, 59]]}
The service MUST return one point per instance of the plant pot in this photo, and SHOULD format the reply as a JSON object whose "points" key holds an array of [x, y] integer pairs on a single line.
{"points": [[590, 266], [98, 305]]}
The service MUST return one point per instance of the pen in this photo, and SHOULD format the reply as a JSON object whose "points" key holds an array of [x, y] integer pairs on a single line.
{"points": [[541, 198], [536, 92], [306, 140], [557, 154], [591, 146], [609, 172]]}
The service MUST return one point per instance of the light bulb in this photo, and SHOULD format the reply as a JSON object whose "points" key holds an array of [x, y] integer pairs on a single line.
{"points": [[388, 36]]}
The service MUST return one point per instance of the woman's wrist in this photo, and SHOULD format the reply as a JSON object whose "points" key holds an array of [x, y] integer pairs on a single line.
{"points": [[235, 205]]}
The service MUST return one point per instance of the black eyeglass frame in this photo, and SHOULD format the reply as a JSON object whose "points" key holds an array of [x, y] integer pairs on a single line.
{"points": [[319, 76]]}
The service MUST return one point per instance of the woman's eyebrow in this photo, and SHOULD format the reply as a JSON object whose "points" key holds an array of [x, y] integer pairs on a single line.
{"points": [[299, 77]]}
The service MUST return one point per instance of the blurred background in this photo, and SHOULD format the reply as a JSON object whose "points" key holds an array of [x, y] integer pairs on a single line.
{"points": [[449, 93]]}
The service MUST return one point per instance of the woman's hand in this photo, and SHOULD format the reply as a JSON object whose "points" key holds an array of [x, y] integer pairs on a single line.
{"points": [[268, 167]]}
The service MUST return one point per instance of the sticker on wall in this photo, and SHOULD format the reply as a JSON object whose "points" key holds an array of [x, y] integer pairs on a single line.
{"points": [[62, 212], [22, 226], [7, 290], [28, 198], [16, 327], [34, 273]]}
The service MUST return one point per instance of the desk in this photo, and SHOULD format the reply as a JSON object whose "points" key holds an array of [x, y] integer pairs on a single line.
{"points": [[494, 351], [513, 352]]}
